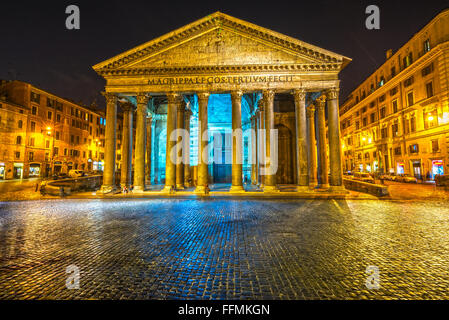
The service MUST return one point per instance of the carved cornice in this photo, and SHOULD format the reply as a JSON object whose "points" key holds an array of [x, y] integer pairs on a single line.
{"points": [[219, 21], [220, 69]]}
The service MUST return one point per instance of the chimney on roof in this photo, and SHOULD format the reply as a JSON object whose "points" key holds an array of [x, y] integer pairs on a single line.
{"points": [[389, 53]]}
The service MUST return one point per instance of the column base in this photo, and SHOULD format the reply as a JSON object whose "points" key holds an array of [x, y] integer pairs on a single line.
{"points": [[180, 187], [271, 189], [323, 187], [303, 189], [237, 189], [168, 189], [138, 189], [202, 190], [107, 189], [338, 189], [187, 184]]}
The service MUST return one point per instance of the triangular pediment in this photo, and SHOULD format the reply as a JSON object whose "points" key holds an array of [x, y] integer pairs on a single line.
{"points": [[221, 40]]}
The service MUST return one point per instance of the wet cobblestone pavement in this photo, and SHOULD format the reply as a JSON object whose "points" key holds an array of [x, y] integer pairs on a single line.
{"points": [[224, 249]]}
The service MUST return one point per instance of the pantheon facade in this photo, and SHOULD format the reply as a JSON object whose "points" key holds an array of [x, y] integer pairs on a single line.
{"points": [[294, 84]]}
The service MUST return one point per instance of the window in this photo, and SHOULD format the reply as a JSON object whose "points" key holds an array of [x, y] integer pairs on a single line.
{"points": [[414, 148], [65, 151], [384, 133], [31, 142], [20, 124], [365, 122], [427, 70], [394, 106], [55, 151], [393, 71], [72, 139], [398, 151], [18, 155], [435, 146], [49, 115], [429, 89], [383, 112], [47, 144], [395, 129], [393, 91], [372, 117], [33, 126], [410, 99], [364, 109], [58, 118], [31, 156], [408, 82], [357, 125], [57, 135], [35, 97], [426, 45], [19, 140], [34, 110], [430, 119], [408, 60], [382, 99], [413, 124]]}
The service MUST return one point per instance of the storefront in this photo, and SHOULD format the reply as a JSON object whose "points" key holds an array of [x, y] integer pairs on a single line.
{"points": [[437, 168], [400, 168], [98, 166], [2, 171], [416, 168], [35, 170], [57, 167], [18, 171]]}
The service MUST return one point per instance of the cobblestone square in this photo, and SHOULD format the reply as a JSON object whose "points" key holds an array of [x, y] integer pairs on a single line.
{"points": [[224, 249]]}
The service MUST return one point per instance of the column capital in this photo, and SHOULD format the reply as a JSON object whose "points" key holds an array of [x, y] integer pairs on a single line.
{"points": [[203, 96], [321, 102], [310, 111], [181, 106], [332, 93], [268, 95], [260, 105], [126, 106], [236, 95], [142, 98], [173, 98], [110, 97], [299, 95]]}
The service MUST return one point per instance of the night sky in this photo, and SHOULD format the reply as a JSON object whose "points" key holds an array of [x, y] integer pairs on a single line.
{"points": [[37, 48]]}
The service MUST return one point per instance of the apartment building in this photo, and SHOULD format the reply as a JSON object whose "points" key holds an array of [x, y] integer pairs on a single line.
{"points": [[397, 120]]}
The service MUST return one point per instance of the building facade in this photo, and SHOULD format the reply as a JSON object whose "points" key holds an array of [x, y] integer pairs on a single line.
{"points": [[45, 134], [268, 80], [397, 120]]}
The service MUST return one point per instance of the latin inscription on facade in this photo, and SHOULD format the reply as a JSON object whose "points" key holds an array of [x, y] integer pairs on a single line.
{"points": [[221, 80]]}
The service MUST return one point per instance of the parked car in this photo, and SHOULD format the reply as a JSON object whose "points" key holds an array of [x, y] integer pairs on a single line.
{"points": [[76, 173], [406, 178], [442, 180], [389, 177], [60, 176], [364, 177]]}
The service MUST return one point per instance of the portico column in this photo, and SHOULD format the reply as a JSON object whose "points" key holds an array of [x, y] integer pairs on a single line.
{"points": [[237, 180], [148, 150], [110, 143], [187, 176], [261, 152], [203, 156], [254, 150], [170, 166], [271, 159], [336, 179], [312, 147], [322, 143], [139, 157], [127, 142], [180, 126], [302, 165]]}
